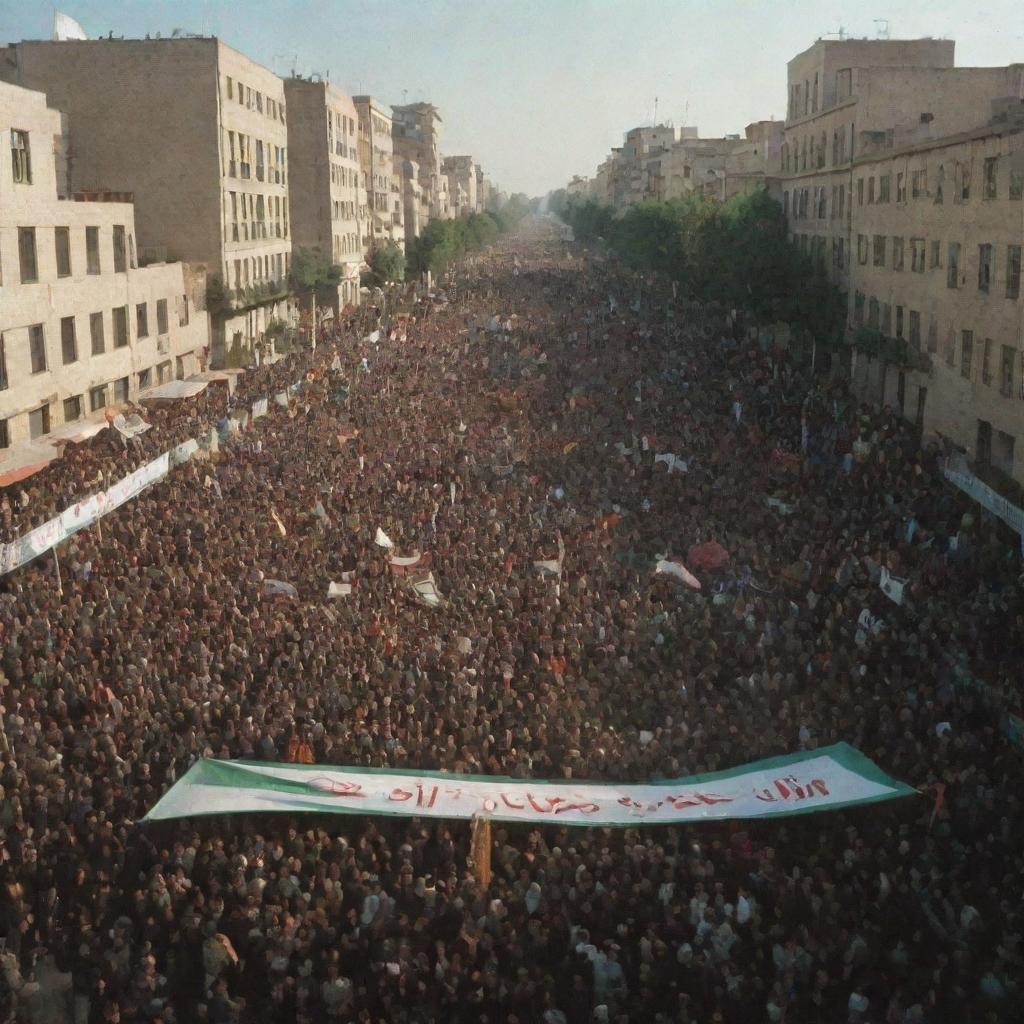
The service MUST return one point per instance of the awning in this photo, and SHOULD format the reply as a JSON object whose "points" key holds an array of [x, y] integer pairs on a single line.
{"points": [[76, 433], [25, 461], [174, 390]]}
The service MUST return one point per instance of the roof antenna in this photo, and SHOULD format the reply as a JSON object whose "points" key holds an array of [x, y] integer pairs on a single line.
{"points": [[655, 111]]}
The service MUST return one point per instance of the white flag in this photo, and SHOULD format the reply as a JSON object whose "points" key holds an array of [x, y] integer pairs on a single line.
{"points": [[65, 28], [382, 539], [891, 586], [679, 571]]}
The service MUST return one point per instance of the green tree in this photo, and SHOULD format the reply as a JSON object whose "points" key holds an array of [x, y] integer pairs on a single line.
{"points": [[387, 263], [312, 270]]}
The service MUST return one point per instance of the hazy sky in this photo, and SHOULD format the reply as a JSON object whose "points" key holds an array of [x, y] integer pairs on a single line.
{"points": [[539, 90]]}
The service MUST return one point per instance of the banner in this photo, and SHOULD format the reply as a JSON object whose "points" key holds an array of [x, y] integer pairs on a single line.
{"points": [[130, 426], [181, 453], [259, 408], [80, 515], [987, 498], [821, 780]]}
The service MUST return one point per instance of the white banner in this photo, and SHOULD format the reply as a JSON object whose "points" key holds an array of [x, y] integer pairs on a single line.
{"points": [[259, 408], [181, 453], [825, 779]]}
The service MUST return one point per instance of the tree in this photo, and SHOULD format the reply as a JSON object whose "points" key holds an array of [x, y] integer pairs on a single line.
{"points": [[387, 263], [312, 270]]}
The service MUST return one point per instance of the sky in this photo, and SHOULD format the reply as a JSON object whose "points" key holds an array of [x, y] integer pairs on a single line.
{"points": [[539, 90]]}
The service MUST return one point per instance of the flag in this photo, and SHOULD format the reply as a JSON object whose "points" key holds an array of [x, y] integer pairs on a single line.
{"points": [[382, 540], [480, 848], [677, 570], [280, 525], [891, 586]]}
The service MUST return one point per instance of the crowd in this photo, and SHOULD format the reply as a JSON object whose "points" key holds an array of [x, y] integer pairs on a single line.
{"points": [[481, 442]]}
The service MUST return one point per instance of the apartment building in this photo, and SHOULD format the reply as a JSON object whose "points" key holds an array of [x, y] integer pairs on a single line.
{"points": [[749, 165], [385, 203], [416, 130], [82, 325], [845, 96], [198, 132], [939, 231], [326, 184], [415, 205], [691, 165], [461, 174]]}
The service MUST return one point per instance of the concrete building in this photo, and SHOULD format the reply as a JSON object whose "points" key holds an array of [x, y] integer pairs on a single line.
{"points": [[937, 266], [750, 165], [383, 189], [692, 165], [416, 129], [461, 174], [197, 132], [326, 184], [417, 209], [82, 326], [844, 95]]}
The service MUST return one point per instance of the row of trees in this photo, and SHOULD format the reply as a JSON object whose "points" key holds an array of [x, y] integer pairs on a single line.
{"points": [[736, 253], [446, 241]]}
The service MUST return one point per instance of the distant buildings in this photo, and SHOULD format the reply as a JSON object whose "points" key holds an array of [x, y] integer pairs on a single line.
{"points": [[82, 325], [462, 184]]}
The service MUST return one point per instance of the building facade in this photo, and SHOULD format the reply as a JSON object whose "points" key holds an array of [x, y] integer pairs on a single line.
{"points": [[416, 128], [82, 325], [937, 267], [384, 200], [461, 174], [227, 167], [326, 184]]}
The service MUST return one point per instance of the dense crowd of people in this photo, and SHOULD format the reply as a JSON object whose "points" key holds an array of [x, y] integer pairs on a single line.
{"points": [[481, 442]]}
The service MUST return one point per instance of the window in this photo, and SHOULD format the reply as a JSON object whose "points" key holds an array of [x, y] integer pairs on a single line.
{"points": [[183, 312], [120, 326], [96, 333], [940, 181], [986, 363], [27, 255], [842, 252], [1006, 367], [842, 199], [39, 422], [120, 258], [5, 435], [68, 342], [862, 249], [871, 189], [1013, 254], [964, 175], [37, 348], [917, 251], [951, 348], [161, 316], [966, 353], [1002, 452], [62, 244], [858, 308], [897, 253], [21, 163], [92, 250], [984, 267], [1016, 183], [860, 191], [989, 183], [144, 379], [919, 184], [3, 365], [98, 398], [231, 89], [873, 311], [933, 336], [72, 409], [878, 243], [142, 320], [899, 321], [884, 183], [935, 259], [901, 187], [121, 390], [953, 269], [915, 328]]}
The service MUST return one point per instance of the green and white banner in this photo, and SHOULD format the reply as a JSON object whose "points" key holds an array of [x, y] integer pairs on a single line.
{"points": [[820, 780]]}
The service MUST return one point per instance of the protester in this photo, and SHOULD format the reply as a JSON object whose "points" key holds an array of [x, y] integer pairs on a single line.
{"points": [[519, 411]]}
